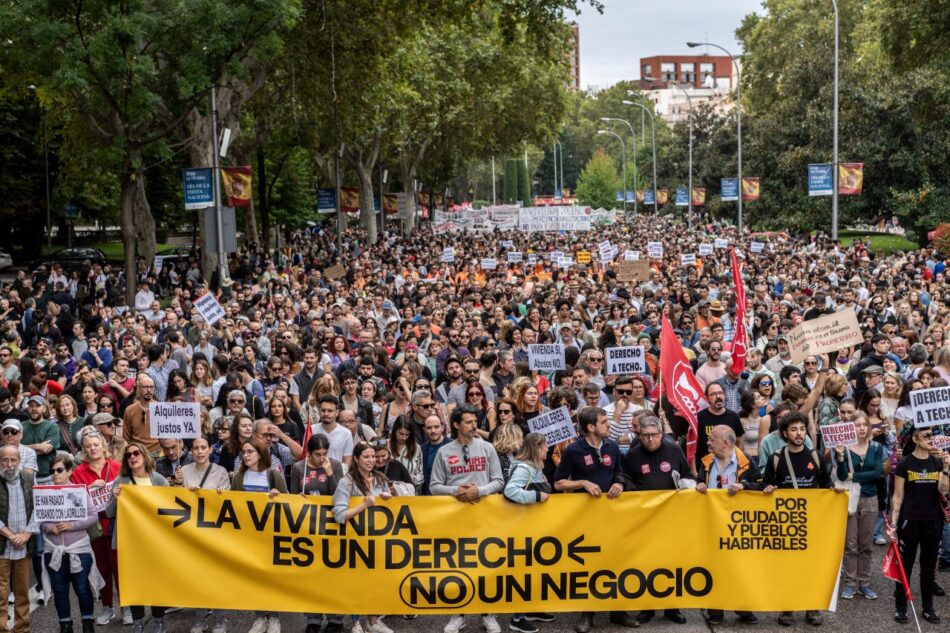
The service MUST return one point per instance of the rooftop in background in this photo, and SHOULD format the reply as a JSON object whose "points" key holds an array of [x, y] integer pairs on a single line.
{"points": [[700, 71]]}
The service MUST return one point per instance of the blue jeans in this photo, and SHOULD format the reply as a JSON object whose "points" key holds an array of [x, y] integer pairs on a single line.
{"points": [[60, 580], [945, 544]]}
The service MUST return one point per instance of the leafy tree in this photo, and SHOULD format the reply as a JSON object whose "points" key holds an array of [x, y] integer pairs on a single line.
{"points": [[599, 183]]}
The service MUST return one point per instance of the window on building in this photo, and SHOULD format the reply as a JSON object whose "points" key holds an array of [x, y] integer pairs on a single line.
{"points": [[706, 70], [668, 72], [688, 73], [647, 70]]}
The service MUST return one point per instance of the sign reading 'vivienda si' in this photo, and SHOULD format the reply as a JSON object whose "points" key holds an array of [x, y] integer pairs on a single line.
{"points": [[546, 357]]}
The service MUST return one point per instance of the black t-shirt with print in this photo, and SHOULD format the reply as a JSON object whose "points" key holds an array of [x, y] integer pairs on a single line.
{"points": [[921, 496]]}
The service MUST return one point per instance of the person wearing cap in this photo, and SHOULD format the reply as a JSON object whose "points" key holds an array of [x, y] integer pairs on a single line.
{"points": [[880, 346], [41, 435], [873, 377], [12, 431]]}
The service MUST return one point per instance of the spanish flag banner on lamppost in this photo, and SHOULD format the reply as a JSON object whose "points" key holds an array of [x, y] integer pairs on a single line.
{"points": [[662, 196], [640, 196], [850, 179], [237, 185], [699, 197], [349, 200], [751, 188]]}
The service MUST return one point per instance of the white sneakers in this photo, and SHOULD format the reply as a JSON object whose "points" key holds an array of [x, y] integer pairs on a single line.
{"points": [[105, 616], [357, 627], [455, 624], [378, 627], [220, 626], [259, 626], [490, 624], [273, 625], [126, 616]]}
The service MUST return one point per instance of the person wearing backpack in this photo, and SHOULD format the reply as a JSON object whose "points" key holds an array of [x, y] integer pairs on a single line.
{"points": [[795, 466]]}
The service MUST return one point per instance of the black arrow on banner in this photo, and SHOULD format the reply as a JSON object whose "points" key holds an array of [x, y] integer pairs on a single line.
{"points": [[574, 548], [184, 513]]}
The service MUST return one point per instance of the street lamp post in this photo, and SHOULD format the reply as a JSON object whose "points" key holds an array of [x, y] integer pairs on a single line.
{"points": [[653, 129], [554, 160], [634, 146], [623, 151], [689, 104], [834, 199], [738, 116], [560, 160]]}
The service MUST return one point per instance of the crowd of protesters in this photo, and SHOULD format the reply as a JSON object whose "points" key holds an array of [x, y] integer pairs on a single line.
{"points": [[370, 381]]}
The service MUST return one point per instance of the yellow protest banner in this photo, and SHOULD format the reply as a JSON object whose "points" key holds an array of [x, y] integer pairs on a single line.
{"points": [[583, 257], [644, 550]]}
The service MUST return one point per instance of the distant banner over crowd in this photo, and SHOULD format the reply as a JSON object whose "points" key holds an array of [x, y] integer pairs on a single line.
{"points": [[430, 555], [524, 219]]}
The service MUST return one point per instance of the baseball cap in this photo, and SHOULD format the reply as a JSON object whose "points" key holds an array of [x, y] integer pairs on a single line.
{"points": [[38, 399], [12, 423]]}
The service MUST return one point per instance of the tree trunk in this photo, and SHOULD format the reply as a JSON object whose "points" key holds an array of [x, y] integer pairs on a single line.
{"points": [[144, 223], [128, 192], [409, 162], [367, 208]]}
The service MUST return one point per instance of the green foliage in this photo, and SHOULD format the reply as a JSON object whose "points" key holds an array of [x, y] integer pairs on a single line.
{"points": [[598, 183]]}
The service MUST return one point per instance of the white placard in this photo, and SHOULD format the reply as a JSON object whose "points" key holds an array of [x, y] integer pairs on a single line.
{"points": [[448, 255], [625, 360], [604, 248], [489, 263], [655, 250], [705, 249], [174, 419], [546, 357], [532, 260], [757, 247], [507, 244], [565, 262], [843, 434], [930, 406], [101, 496], [556, 426], [157, 264], [209, 308], [59, 503], [687, 258], [721, 242], [942, 442], [631, 256], [514, 257]]}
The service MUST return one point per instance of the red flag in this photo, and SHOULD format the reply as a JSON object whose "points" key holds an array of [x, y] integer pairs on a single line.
{"points": [[893, 568], [740, 337], [679, 383], [307, 434]]}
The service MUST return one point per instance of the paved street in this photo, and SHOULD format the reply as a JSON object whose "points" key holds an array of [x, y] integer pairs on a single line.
{"points": [[853, 616]]}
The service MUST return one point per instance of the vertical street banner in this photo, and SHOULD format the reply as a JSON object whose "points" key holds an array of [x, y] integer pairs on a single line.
{"points": [[198, 187], [641, 196], [422, 199], [729, 190], [850, 179], [751, 188], [436, 556], [682, 197], [326, 200], [699, 197], [648, 196], [662, 196], [237, 185], [390, 203], [820, 179], [349, 200]]}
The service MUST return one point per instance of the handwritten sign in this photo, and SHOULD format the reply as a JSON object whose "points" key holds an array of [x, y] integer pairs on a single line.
{"points": [[634, 270], [556, 426], [209, 308], [705, 249], [546, 357], [930, 406], [335, 272], [843, 434], [59, 503], [626, 360], [655, 250], [174, 419], [825, 334]]}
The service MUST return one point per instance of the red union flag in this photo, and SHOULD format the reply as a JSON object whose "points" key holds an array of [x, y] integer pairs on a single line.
{"points": [[740, 335], [680, 385], [893, 567]]}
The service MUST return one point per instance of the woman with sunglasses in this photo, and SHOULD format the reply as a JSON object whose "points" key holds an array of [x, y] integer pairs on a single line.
{"points": [[921, 479], [97, 473], [138, 469], [361, 480], [69, 539], [475, 395]]}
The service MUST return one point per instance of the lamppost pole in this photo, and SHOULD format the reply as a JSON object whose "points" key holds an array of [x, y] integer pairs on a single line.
{"points": [[634, 146], [834, 199], [623, 151], [560, 160], [735, 64], [689, 105], [653, 130]]}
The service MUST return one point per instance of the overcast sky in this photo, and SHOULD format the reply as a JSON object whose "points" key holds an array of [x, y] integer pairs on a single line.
{"points": [[613, 42]]}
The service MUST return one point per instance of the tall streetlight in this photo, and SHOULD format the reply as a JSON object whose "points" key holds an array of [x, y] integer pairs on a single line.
{"points": [[653, 129], [689, 103], [634, 146], [735, 64], [554, 160], [560, 160], [623, 151], [834, 199], [49, 214]]}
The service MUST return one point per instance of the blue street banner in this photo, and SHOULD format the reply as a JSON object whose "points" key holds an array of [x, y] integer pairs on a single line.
{"points": [[682, 197], [729, 190], [326, 202], [820, 179], [618, 196], [648, 196], [632, 196], [199, 188]]}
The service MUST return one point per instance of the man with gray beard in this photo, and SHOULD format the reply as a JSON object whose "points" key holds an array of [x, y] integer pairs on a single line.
{"points": [[17, 534]]}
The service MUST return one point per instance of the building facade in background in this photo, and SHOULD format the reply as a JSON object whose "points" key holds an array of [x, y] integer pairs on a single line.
{"points": [[708, 79], [574, 58]]}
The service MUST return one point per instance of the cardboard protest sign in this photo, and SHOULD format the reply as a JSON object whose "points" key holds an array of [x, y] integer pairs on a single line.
{"points": [[59, 503], [634, 270], [209, 308], [930, 406], [626, 360], [335, 272], [843, 434], [556, 426], [825, 334], [546, 357], [174, 419]]}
